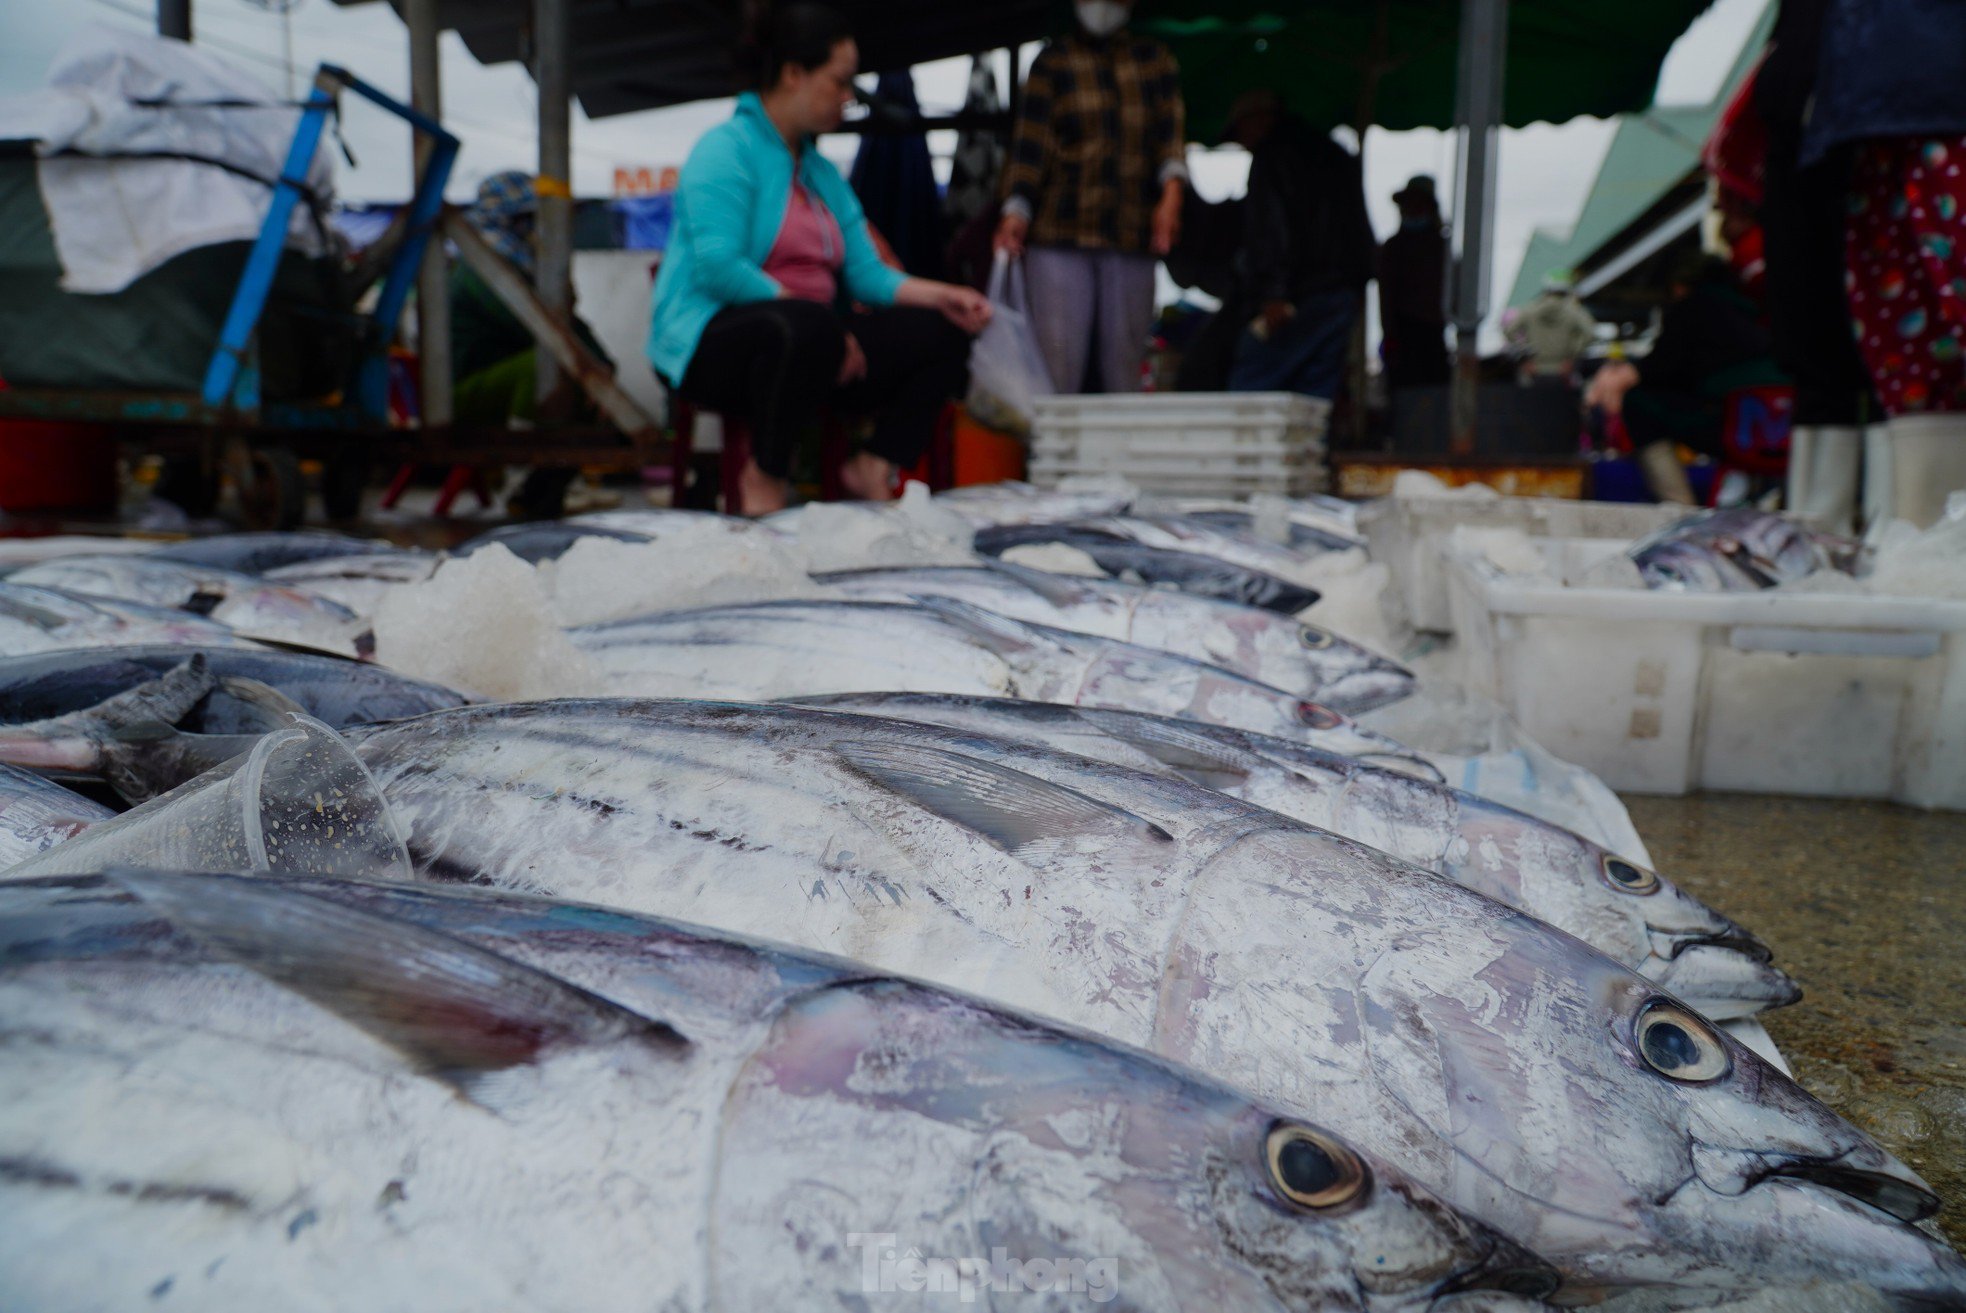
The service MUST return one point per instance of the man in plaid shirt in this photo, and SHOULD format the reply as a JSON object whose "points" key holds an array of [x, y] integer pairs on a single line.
{"points": [[1094, 185]]}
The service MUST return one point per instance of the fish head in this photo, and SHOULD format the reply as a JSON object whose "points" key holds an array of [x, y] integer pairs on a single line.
{"points": [[1534, 1082], [1118, 1173], [1635, 915], [1349, 677], [1694, 567]]}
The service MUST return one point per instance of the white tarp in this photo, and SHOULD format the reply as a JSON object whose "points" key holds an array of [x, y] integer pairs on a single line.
{"points": [[116, 219]]}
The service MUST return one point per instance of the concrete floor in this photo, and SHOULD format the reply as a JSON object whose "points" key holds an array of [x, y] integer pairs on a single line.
{"points": [[1865, 904]]}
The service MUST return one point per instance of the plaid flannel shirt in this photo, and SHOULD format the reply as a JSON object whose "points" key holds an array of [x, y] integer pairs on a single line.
{"points": [[1100, 131]]}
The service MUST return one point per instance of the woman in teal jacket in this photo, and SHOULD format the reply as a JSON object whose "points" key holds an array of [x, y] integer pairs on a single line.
{"points": [[767, 239]]}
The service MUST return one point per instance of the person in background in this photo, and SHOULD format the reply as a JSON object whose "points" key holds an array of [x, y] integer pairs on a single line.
{"points": [[767, 237], [1413, 291], [494, 361], [1889, 97], [1306, 252], [1092, 194], [1552, 331], [1711, 342]]}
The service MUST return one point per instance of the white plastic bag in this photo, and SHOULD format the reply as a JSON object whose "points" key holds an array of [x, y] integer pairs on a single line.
{"points": [[1006, 372]]}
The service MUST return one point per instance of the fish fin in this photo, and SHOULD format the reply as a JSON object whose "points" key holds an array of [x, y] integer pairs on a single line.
{"points": [[1000, 634], [81, 740], [263, 698], [456, 1011], [1031, 819], [1057, 589], [1196, 756]]}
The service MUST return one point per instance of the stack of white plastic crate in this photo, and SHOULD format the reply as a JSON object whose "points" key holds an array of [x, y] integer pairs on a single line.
{"points": [[1207, 444]]}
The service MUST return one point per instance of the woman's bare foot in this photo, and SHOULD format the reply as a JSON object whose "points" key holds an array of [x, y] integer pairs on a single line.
{"points": [[868, 477], [760, 493]]}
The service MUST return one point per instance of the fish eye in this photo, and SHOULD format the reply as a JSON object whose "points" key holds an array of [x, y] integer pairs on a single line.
{"points": [[1313, 1170], [1314, 639], [1314, 716], [1629, 878], [1679, 1045]]}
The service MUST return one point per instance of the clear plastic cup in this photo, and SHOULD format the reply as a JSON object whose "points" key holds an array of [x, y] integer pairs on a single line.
{"points": [[299, 801]]}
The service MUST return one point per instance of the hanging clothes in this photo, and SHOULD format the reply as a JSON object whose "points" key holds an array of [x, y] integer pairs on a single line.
{"points": [[895, 181], [978, 162]]}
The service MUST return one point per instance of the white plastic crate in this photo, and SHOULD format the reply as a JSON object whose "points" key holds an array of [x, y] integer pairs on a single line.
{"points": [[1409, 534], [1831, 694], [1221, 444]]}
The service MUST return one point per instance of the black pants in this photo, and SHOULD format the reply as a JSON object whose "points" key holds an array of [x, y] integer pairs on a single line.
{"points": [[775, 363]]}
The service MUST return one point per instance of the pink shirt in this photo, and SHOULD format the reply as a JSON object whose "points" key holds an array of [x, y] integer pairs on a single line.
{"points": [[806, 258]]}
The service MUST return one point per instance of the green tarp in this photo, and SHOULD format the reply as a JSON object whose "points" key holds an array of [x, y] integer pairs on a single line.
{"points": [[1566, 57], [1398, 59]]}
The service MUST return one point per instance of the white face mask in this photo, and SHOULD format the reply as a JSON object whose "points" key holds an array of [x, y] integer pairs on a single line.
{"points": [[1101, 17]]}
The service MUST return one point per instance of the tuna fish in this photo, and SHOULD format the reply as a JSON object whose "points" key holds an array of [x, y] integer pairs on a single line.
{"points": [[1544, 1088], [51, 684], [1123, 558], [546, 540], [246, 604], [1185, 533], [1012, 502], [1629, 913], [37, 814], [48, 619], [256, 553], [1304, 533], [1738, 549], [1272, 649], [790, 649], [358, 582], [408, 1099]]}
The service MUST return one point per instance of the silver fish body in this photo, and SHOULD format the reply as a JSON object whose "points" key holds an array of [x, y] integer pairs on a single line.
{"points": [[47, 685], [358, 582], [1633, 915], [1237, 546], [1278, 650], [246, 604], [1123, 557], [37, 619], [36, 814], [1554, 1094], [1735, 549], [787, 649], [410, 1099], [1013, 502], [257, 553]]}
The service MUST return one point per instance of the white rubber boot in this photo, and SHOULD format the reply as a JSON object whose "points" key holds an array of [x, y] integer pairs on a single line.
{"points": [[1877, 477], [1928, 463], [1824, 462], [1664, 475]]}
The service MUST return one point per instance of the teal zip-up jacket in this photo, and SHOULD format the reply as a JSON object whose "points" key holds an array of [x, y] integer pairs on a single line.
{"points": [[730, 204]]}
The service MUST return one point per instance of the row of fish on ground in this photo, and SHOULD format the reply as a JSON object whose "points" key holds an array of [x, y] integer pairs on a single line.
{"points": [[1064, 939]]}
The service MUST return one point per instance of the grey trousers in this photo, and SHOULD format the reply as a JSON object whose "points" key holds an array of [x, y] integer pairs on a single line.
{"points": [[1090, 302]]}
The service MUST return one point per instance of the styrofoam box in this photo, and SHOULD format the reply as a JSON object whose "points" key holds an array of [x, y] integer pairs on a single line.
{"points": [[1832, 694], [1409, 535], [1229, 444]]}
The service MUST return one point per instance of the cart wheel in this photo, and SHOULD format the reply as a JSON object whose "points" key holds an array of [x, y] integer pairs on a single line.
{"points": [[343, 480], [272, 494]]}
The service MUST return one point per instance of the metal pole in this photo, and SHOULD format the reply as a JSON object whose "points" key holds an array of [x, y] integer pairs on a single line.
{"points": [[433, 310], [174, 19], [1484, 57], [550, 73]]}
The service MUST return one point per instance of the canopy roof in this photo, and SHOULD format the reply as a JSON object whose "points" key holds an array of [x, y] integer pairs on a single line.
{"points": [[1329, 58]]}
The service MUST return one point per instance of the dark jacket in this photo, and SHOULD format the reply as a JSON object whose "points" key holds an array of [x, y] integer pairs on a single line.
{"points": [[1710, 342], [1889, 68], [1413, 276], [1305, 228]]}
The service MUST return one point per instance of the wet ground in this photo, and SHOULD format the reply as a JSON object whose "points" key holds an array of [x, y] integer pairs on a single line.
{"points": [[1865, 904]]}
